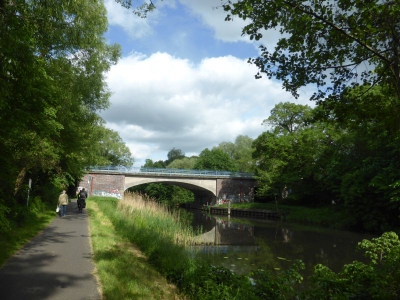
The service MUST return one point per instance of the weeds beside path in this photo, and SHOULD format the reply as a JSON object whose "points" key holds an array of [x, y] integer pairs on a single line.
{"points": [[13, 240], [122, 269]]}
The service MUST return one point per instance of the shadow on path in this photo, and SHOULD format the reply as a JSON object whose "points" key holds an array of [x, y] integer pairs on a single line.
{"points": [[56, 264]]}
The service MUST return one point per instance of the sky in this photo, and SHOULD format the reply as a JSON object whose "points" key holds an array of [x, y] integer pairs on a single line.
{"points": [[183, 80]]}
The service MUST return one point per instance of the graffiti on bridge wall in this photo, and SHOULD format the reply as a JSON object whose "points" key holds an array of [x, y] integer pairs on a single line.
{"points": [[115, 193], [235, 198], [235, 190]]}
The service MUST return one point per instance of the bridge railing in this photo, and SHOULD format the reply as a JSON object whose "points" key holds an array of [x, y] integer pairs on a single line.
{"points": [[171, 172]]}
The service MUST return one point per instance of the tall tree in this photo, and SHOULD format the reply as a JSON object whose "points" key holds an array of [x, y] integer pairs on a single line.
{"points": [[290, 155], [52, 64], [366, 162]]}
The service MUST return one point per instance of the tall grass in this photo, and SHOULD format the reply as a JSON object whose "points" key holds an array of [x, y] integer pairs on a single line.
{"points": [[151, 216], [123, 270], [154, 229]]}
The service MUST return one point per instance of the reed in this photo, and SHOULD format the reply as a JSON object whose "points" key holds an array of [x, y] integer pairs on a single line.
{"points": [[150, 216], [154, 230]]}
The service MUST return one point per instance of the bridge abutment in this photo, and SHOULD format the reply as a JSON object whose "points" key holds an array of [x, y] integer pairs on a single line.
{"points": [[106, 185]]}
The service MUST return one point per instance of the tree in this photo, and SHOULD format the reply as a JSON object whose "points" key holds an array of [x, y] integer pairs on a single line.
{"points": [[110, 148], [183, 163], [291, 155], [288, 118], [174, 154], [366, 161], [240, 152], [215, 159], [151, 164], [52, 66], [329, 44]]}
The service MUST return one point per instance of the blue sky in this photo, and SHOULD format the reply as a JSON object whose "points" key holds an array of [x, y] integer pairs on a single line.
{"points": [[184, 82]]}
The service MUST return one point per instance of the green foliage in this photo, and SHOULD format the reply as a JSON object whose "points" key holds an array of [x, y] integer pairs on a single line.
{"points": [[174, 154], [215, 159], [110, 148], [291, 155], [4, 222], [366, 159], [240, 152], [140, 10], [325, 43], [210, 282], [158, 164], [183, 163], [339, 152], [348, 152], [378, 279], [52, 67], [167, 194], [32, 220], [283, 285], [36, 205]]}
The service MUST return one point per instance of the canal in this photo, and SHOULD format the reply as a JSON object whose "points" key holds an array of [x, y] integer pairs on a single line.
{"points": [[244, 245]]}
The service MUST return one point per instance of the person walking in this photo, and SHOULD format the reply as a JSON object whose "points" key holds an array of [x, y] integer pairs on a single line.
{"points": [[63, 202]]}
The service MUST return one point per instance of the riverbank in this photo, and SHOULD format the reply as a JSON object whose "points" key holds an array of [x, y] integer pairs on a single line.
{"points": [[122, 268], [329, 216]]}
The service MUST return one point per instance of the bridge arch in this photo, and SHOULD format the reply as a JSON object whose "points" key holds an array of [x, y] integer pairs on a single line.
{"points": [[204, 190], [190, 184]]}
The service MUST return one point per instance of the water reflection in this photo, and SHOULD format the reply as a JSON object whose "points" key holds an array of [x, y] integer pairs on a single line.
{"points": [[244, 245]]}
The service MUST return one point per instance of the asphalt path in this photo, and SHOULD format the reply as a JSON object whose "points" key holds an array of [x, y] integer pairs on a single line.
{"points": [[56, 264]]}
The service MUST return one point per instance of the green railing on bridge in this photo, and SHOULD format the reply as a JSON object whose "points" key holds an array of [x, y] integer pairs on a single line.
{"points": [[171, 172]]}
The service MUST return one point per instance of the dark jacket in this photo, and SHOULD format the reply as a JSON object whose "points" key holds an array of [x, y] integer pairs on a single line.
{"points": [[82, 195]]}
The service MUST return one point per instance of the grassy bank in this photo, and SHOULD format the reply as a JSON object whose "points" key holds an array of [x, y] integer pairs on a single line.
{"points": [[27, 223], [329, 216], [124, 271]]}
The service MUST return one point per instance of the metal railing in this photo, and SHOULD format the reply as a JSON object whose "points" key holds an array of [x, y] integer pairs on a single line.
{"points": [[170, 172]]}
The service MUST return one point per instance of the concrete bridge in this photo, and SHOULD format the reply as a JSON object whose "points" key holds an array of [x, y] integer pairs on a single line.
{"points": [[207, 186]]}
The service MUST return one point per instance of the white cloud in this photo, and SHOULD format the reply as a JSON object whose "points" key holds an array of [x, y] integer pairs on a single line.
{"points": [[213, 15], [160, 102], [134, 26]]}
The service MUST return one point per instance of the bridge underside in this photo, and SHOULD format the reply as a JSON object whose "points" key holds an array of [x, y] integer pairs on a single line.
{"points": [[203, 190]]}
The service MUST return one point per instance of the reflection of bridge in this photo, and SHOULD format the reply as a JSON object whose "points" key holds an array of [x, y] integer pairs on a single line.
{"points": [[224, 232], [206, 185]]}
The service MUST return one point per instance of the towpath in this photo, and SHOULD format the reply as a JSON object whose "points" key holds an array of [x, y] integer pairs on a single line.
{"points": [[56, 264]]}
